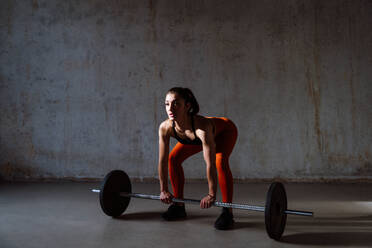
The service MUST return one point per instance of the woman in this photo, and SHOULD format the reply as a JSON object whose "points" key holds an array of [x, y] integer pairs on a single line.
{"points": [[215, 136]]}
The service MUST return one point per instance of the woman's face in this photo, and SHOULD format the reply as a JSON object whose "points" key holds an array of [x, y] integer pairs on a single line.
{"points": [[175, 106]]}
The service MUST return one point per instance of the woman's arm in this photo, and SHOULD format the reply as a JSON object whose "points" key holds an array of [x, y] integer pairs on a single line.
{"points": [[209, 153], [165, 196]]}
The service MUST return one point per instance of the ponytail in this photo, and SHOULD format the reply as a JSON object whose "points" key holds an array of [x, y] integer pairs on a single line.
{"points": [[188, 96]]}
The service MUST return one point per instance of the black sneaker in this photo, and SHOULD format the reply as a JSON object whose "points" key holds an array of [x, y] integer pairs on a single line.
{"points": [[225, 221], [174, 212]]}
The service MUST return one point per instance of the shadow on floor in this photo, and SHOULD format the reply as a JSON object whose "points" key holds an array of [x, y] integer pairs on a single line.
{"points": [[351, 231], [364, 218], [339, 222], [242, 225], [330, 239], [140, 216], [155, 216]]}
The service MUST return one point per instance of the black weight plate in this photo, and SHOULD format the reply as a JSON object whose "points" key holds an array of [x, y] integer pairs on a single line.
{"points": [[111, 202], [276, 205]]}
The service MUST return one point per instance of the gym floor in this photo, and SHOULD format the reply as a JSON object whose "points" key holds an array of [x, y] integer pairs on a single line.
{"points": [[68, 215]]}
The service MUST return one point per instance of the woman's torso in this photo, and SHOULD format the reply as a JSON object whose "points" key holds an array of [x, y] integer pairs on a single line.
{"points": [[219, 125]]}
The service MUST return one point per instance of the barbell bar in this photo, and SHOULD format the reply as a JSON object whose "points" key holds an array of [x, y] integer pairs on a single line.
{"points": [[116, 192], [215, 204]]}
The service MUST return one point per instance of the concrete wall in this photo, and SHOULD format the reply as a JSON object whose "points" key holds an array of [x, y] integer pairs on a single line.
{"points": [[83, 83]]}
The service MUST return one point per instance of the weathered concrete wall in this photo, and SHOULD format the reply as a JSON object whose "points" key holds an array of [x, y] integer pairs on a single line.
{"points": [[83, 83]]}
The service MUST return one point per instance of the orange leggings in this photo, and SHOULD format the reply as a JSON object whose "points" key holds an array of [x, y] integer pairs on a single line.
{"points": [[226, 134]]}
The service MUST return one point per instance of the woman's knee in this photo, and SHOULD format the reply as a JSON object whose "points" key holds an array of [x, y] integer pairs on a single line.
{"points": [[222, 162], [173, 160]]}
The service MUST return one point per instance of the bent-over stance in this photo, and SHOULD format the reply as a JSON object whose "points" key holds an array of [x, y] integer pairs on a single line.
{"points": [[215, 136]]}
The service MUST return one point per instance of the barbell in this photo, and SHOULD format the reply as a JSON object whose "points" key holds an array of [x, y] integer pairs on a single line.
{"points": [[116, 191]]}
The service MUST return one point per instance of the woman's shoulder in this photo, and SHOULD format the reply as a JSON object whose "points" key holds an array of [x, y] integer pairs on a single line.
{"points": [[165, 126]]}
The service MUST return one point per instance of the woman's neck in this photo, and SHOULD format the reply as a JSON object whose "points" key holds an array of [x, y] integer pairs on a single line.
{"points": [[183, 123]]}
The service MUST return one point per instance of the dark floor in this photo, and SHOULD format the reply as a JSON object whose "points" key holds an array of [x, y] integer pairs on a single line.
{"points": [[69, 215]]}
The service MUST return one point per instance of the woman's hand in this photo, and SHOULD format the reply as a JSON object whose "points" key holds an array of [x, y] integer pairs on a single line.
{"points": [[166, 197], [207, 201]]}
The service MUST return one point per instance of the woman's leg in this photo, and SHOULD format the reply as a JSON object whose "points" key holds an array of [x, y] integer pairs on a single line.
{"points": [[225, 179], [225, 143], [179, 154]]}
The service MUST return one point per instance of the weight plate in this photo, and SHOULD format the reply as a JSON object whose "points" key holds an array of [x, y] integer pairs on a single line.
{"points": [[276, 205], [111, 202]]}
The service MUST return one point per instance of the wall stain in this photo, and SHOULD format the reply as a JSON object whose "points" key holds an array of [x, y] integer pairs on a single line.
{"points": [[156, 113], [361, 162], [367, 155], [118, 7], [28, 71], [260, 73], [67, 128], [153, 34], [106, 111], [9, 19], [225, 105], [77, 65], [100, 21], [353, 102], [335, 158], [25, 103], [259, 148], [351, 80], [35, 5], [67, 96], [161, 73], [153, 31], [13, 171], [365, 169], [314, 93], [32, 150], [6, 170], [313, 82]]}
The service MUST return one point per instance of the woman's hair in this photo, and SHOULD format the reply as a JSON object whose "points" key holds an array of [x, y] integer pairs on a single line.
{"points": [[188, 96]]}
